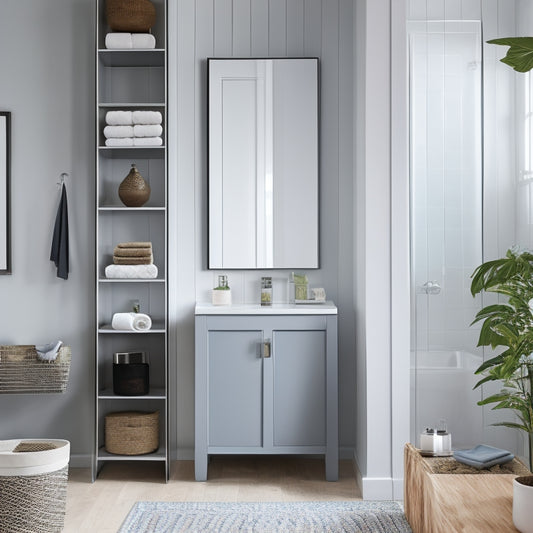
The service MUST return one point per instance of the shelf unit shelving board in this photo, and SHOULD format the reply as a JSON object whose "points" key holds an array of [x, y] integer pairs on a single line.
{"points": [[132, 80]]}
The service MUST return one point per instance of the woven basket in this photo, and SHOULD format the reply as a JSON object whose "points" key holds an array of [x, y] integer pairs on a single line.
{"points": [[132, 432], [34, 502], [130, 15], [21, 371]]}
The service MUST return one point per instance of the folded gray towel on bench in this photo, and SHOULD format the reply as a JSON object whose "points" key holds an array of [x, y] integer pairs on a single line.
{"points": [[483, 456]]}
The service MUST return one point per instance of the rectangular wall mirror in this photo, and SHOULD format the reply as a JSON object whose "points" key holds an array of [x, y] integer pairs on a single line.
{"points": [[263, 163], [5, 140]]}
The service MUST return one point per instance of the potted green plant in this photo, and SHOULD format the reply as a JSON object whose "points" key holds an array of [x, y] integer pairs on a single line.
{"points": [[508, 326]]}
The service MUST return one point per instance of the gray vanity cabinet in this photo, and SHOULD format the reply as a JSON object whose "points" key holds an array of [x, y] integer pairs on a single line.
{"points": [[266, 385]]}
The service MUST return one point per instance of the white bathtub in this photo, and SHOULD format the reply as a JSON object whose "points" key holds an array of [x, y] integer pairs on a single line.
{"points": [[442, 388]]}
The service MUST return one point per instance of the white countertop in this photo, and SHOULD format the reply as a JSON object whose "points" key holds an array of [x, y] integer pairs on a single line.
{"points": [[325, 308]]}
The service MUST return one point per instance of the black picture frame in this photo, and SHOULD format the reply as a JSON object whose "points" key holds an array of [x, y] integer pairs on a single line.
{"points": [[5, 192]]}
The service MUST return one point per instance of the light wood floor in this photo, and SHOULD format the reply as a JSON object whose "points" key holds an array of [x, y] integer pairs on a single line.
{"points": [[102, 506]]}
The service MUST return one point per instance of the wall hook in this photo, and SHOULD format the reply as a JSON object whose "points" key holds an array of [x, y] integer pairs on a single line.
{"points": [[62, 179]]}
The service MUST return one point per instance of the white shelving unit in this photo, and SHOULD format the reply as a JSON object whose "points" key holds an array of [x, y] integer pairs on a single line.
{"points": [[128, 80]]}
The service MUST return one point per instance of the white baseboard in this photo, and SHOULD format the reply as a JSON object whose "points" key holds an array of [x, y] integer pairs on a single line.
{"points": [[397, 487], [377, 488]]}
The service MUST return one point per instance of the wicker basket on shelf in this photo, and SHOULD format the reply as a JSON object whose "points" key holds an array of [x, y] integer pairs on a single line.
{"points": [[132, 432], [130, 15], [21, 371]]}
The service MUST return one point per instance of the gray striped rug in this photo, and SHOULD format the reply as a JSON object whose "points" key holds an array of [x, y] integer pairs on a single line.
{"points": [[266, 517]]}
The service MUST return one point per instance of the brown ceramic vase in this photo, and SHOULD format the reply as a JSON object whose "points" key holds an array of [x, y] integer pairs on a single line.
{"points": [[134, 191]]}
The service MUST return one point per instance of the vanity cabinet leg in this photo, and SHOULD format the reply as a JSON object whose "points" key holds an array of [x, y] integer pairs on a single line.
{"points": [[200, 467], [332, 466]]}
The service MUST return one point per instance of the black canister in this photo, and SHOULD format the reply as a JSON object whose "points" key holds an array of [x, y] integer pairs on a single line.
{"points": [[131, 375]]}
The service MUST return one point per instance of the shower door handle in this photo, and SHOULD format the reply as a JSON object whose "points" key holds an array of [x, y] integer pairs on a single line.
{"points": [[430, 287]]}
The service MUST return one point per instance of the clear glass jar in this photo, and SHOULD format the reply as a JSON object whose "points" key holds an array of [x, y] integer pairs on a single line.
{"points": [[266, 291]]}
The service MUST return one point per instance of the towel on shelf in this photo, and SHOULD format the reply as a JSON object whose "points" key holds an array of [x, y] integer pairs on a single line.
{"points": [[142, 40], [135, 244], [131, 252], [118, 131], [131, 271], [483, 456], [118, 40], [48, 352], [147, 141], [146, 117], [59, 252], [131, 321], [119, 118], [141, 260], [119, 141], [146, 130]]}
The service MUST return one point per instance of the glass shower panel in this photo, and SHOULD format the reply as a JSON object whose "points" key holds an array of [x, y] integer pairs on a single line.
{"points": [[446, 224]]}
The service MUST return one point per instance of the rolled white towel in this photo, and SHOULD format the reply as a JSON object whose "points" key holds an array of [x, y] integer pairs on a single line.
{"points": [[118, 131], [147, 141], [131, 271], [48, 352], [119, 118], [142, 40], [119, 141], [147, 117], [118, 40], [131, 321], [146, 130]]}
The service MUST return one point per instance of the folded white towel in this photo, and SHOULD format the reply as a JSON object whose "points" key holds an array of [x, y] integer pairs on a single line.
{"points": [[119, 141], [118, 131], [131, 271], [119, 118], [118, 40], [48, 352], [147, 117], [142, 40], [131, 321], [147, 141], [146, 130]]}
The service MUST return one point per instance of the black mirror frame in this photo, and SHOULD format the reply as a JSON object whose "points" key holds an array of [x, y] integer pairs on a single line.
{"points": [[7, 208]]}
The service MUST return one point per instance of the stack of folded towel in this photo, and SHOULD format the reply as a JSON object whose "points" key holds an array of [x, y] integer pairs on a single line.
{"points": [[124, 40], [133, 128], [132, 260], [483, 456], [133, 253]]}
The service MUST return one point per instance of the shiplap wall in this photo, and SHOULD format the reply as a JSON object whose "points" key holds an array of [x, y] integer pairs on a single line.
{"points": [[256, 28]]}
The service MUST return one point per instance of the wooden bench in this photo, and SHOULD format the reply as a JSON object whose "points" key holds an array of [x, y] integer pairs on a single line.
{"points": [[462, 499]]}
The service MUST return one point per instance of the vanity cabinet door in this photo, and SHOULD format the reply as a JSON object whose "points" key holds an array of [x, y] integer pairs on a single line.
{"points": [[299, 379], [235, 388]]}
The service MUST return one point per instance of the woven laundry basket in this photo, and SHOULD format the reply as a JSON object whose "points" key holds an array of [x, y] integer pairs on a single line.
{"points": [[33, 485], [132, 432], [21, 371], [130, 15]]}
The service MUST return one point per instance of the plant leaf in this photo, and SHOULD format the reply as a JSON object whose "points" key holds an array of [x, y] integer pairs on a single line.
{"points": [[512, 425], [520, 53]]}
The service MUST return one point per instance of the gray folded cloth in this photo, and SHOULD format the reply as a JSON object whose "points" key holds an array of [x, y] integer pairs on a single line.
{"points": [[483, 456]]}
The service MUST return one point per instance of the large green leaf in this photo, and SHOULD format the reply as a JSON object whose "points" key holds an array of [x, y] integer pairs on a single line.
{"points": [[520, 53], [512, 425]]}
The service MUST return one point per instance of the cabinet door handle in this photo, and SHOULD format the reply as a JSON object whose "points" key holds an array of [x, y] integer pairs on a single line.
{"points": [[266, 349]]}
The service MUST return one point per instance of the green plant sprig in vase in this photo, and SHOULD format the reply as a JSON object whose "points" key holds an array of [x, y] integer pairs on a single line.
{"points": [[509, 326]]}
